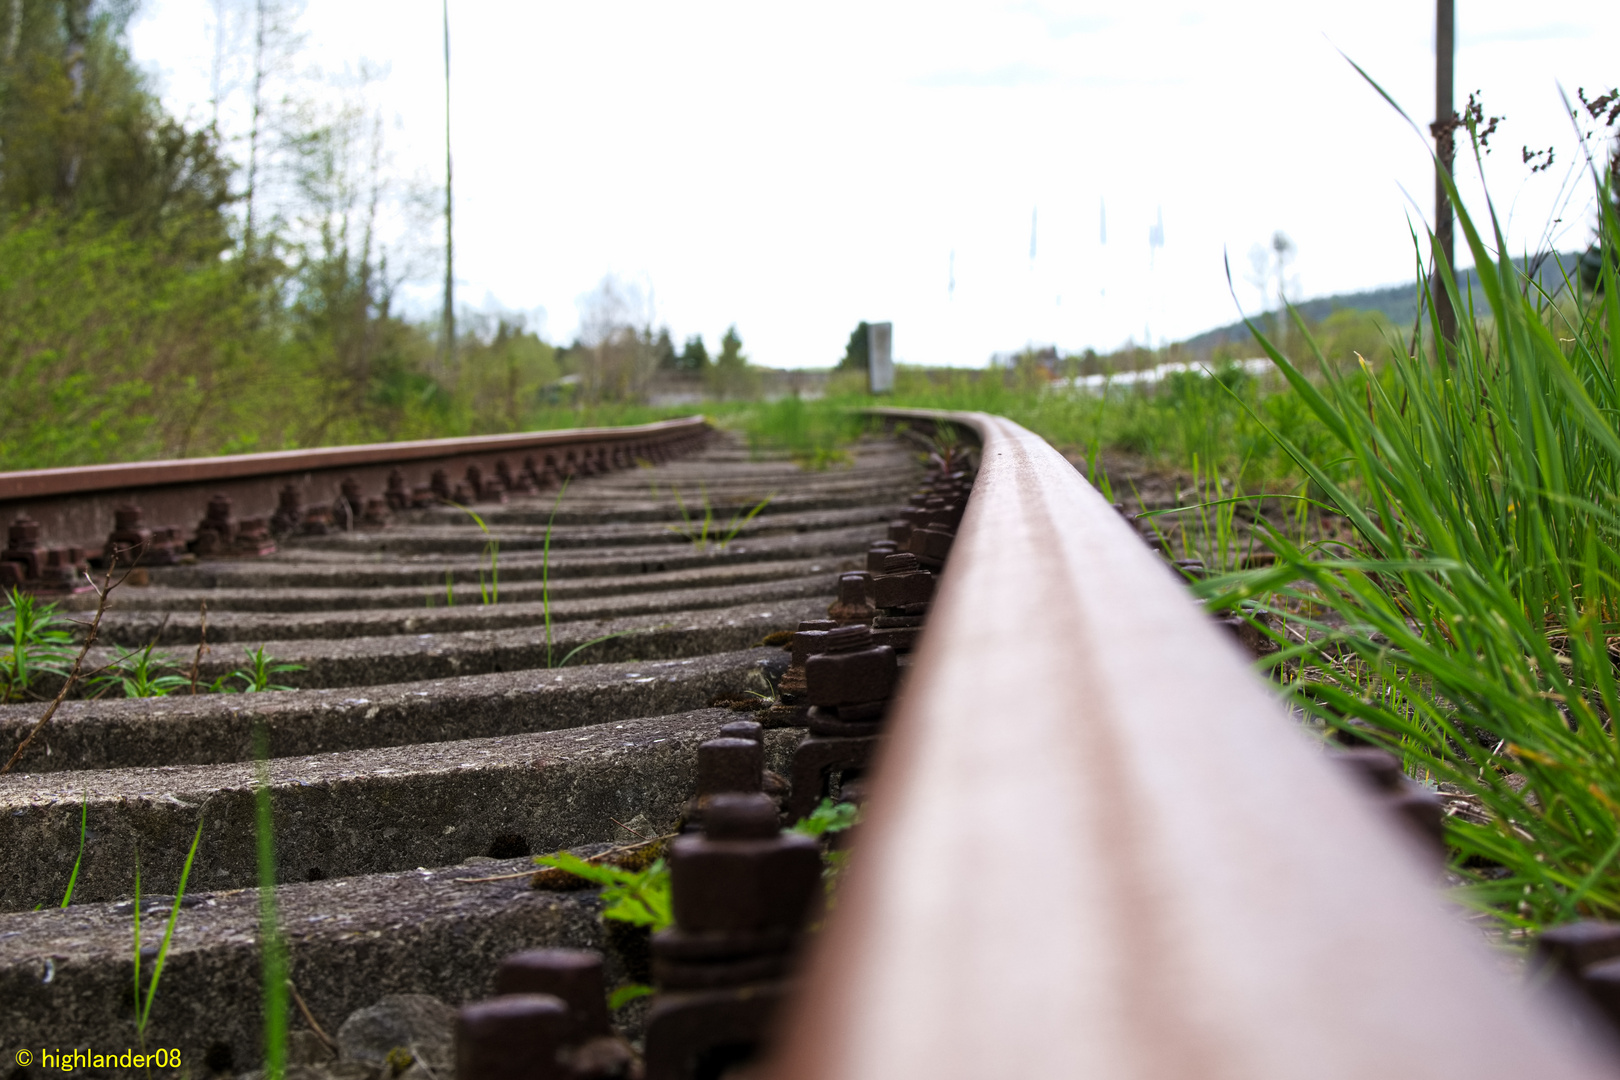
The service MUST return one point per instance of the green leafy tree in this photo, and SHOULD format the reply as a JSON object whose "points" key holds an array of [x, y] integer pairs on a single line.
{"points": [[731, 376], [81, 133], [664, 349], [856, 354], [694, 358]]}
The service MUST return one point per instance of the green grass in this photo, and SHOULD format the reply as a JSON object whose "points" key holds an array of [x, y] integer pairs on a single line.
{"points": [[274, 965], [1477, 610], [701, 534], [36, 642], [143, 1004], [490, 592], [255, 678], [84, 821]]}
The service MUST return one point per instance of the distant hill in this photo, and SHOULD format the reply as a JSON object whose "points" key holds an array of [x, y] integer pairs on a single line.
{"points": [[1397, 303]]}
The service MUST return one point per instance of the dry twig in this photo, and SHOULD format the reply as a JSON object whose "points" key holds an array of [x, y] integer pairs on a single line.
{"points": [[202, 643], [309, 1018]]}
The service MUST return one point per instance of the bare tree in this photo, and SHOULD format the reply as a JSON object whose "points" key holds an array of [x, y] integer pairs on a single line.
{"points": [[616, 325], [275, 43]]}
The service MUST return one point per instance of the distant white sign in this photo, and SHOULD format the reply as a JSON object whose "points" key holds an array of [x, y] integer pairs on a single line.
{"points": [[880, 357]]}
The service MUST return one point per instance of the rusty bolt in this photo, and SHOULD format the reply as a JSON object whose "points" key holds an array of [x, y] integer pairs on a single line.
{"points": [[573, 976], [853, 605], [806, 639], [253, 537], [929, 544], [850, 671], [23, 534], [441, 483], [742, 875], [128, 543], [875, 555], [730, 765], [744, 729], [289, 511], [397, 494], [317, 521], [513, 1038], [903, 583]]}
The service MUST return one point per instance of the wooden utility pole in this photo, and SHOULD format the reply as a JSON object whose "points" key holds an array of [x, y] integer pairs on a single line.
{"points": [[1445, 151], [447, 347]]}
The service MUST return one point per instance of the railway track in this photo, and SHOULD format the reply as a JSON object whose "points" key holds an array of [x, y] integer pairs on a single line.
{"points": [[1093, 845]]}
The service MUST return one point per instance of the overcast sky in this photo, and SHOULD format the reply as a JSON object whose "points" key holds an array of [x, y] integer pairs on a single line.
{"points": [[794, 169]]}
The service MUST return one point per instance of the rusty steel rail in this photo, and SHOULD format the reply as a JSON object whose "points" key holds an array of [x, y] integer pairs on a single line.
{"points": [[77, 505], [1098, 846]]}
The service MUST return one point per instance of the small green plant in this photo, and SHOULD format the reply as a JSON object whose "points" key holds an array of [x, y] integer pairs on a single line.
{"points": [[828, 817], [637, 897], [489, 593], [136, 674], [35, 644], [143, 1006], [272, 946], [624, 995], [255, 678], [703, 533]]}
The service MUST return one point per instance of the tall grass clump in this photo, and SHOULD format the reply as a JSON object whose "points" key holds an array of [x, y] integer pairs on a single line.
{"points": [[1470, 627], [814, 436]]}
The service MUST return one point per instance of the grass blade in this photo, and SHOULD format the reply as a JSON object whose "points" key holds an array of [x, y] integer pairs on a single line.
{"points": [[84, 818], [168, 931]]}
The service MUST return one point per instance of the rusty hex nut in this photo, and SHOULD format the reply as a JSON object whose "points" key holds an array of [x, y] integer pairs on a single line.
{"points": [[856, 673], [745, 885], [744, 729], [806, 643], [513, 1038], [930, 543], [903, 589], [574, 976], [875, 555], [730, 765]]}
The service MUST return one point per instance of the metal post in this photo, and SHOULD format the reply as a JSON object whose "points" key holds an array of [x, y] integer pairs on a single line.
{"points": [[449, 344], [1445, 149], [879, 358]]}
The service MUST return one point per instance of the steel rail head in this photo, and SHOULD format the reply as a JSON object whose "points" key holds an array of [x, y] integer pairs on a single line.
{"points": [[79, 505], [1097, 846], [37, 483]]}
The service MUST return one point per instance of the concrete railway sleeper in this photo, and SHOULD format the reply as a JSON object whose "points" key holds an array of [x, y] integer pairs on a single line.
{"points": [[1091, 843]]}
